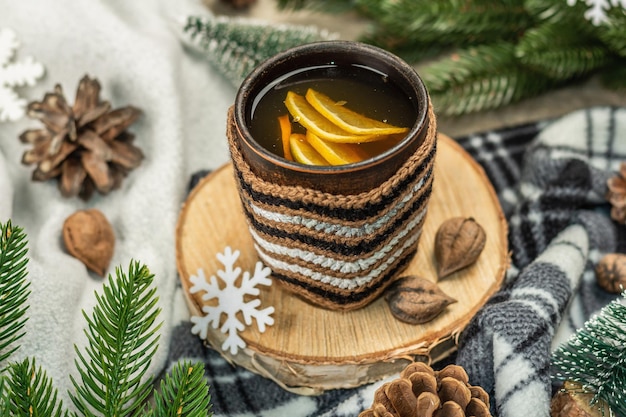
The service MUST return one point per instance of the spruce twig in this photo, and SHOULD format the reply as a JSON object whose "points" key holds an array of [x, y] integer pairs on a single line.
{"points": [[183, 392], [236, 46], [555, 44], [122, 336], [480, 78], [13, 286], [562, 51], [30, 392], [595, 356]]}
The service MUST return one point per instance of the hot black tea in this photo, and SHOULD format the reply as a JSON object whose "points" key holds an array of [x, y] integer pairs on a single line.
{"points": [[367, 92]]}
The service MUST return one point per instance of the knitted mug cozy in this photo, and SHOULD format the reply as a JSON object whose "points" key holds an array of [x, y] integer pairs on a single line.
{"points": [[337, 251]]}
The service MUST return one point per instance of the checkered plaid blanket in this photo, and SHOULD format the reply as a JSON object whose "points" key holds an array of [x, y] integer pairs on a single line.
{"points": [[551, 180]]}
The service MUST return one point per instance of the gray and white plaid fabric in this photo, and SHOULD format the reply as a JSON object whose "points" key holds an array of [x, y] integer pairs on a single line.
{"points": [[551, 180]]}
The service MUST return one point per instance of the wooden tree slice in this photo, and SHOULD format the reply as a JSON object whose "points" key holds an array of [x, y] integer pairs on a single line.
{"points": [[311, 349]]}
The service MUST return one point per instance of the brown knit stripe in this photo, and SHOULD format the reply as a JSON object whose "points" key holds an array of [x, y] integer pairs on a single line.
{"points": [[330, 264], [342, 248], [315, 197], [328, 229], [343, 300]]}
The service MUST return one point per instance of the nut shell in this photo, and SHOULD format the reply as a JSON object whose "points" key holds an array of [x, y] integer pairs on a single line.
{"points": [[89, 237], [611, 272], [416, 300], [458, 243]]}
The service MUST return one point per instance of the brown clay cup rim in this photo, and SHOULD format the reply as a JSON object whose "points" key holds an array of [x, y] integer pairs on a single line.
{"points": [[331, 52]]}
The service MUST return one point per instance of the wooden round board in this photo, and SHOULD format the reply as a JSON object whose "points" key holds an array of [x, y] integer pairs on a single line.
{"points": [[310, 349]]}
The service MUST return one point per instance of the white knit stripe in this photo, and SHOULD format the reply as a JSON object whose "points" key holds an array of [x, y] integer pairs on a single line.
{"points": [[567, 327], [341, 283], [339, 229], [568, 251], [338, 265], [512, 370], [530, 400]]}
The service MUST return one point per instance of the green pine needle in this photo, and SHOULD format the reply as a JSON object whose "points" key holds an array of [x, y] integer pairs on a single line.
{"points": [[595, 356], [562, 51], [13, 287], [236, 46], [556, 10], [480, 78], [28, 392], [123, 338], [450, 22], [329, 6], [183, 392], [613, 33]]}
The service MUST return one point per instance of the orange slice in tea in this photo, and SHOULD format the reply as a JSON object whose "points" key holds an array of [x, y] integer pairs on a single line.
{"points": [[285, 133], [303, 152], [303, 113], [336, 153], [349, 120]]}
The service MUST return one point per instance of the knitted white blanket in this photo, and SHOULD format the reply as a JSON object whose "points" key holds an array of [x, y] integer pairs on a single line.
{"points": [[133, 48]]}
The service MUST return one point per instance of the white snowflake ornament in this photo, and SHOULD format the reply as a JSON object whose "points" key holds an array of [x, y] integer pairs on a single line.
{"points": [[231, 299], [14, 74], [597, 9]]}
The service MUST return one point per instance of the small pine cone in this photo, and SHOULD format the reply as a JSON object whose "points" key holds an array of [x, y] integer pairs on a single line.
{"points": [[616, 195], [423, 392], [573, 401], [85, 147]]}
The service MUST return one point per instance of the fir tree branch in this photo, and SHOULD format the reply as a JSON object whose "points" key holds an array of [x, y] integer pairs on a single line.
{"points": [[183, 392], [555, 10], [236, 47], [328, 6], [13, 287], [451, 22], [29, 392], [595, 356], [562, 51], [480, 78], [613, 33], [123, 338]]}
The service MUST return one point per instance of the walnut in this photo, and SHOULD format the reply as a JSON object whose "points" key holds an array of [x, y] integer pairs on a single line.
{"points": [[89, 237], [458, 243], [573, 401], [416, 300], [616, 194], [611, 273]]}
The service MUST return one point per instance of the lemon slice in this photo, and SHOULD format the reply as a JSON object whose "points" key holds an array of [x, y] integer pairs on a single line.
{"points": [[303, 152], [349, 120], [285, 133], [303, 113], [336, 153]]}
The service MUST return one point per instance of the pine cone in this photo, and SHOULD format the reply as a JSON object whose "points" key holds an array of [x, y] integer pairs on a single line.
{"points": [[617, 195], [84, 146], [422, 392]]}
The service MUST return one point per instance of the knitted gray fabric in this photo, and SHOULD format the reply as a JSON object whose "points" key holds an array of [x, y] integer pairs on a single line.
{"points": [[550, 178], [506, 347]]}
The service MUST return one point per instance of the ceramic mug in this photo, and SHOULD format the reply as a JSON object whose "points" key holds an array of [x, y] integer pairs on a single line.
{"points": [[335, 235]]}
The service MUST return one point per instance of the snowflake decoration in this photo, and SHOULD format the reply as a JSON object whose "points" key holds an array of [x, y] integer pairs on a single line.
{"points": [[231, 299], [14, 74], [597, 11]]}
